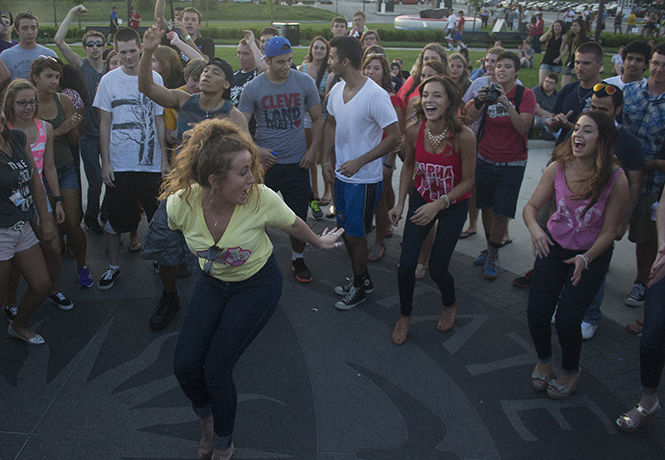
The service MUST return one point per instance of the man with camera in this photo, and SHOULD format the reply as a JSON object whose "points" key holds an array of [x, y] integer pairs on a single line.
{"points": [[505, 110]]}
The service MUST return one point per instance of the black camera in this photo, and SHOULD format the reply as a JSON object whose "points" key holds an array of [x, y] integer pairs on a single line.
{"points": [[493, 93]]}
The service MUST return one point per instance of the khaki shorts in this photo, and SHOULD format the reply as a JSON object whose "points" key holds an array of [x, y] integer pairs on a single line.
{"points": [[642, 227], [14, 240]]}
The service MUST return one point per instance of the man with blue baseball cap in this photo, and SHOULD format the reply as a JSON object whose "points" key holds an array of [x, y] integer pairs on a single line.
{"points": [[278, 100]]}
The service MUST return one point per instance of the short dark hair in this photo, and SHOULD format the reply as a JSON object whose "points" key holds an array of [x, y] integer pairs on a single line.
{"points": [[511, 56], [617, 95], [553, 76], [24, 15], [269, 30], [660, 49], [126, 34], [637, 47], [359, 13], [350, 48], [591, 47], [338, 19]]}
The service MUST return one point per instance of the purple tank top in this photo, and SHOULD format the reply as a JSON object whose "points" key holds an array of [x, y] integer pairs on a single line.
{"points": [[568, 226]]}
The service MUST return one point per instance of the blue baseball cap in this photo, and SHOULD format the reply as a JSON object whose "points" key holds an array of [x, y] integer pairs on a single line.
{"points": [[277, 46]]}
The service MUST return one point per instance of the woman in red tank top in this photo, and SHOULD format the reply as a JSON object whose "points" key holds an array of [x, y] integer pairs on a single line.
{"points": [[441, 151]]}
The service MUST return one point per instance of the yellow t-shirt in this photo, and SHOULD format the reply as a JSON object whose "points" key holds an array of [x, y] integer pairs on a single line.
{"points": [[245, 246]]}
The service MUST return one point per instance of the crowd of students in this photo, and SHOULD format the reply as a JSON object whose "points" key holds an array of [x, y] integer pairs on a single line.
{"points": [[174, 133]]}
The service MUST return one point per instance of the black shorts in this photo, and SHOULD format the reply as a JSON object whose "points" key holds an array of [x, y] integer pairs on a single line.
{"points": [[498, 187], [131, 190], [294, 184]]}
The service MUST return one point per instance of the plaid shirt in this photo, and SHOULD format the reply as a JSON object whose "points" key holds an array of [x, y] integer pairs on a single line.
{"points": [[644, 116]]}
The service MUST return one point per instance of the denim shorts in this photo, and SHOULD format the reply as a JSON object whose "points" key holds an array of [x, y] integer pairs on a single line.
{"points": [[355, 205], [498, 187], [67, 178], [551, 68], [568, 71]]}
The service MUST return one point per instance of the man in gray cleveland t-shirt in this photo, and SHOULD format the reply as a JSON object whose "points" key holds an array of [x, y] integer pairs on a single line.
{"points": [[278, 100]]}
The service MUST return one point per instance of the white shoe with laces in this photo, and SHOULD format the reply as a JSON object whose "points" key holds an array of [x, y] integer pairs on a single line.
{"points": [[588, 330]]}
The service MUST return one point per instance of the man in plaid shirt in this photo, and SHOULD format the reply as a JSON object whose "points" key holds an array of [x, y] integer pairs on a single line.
{"points": [[644, 116]]}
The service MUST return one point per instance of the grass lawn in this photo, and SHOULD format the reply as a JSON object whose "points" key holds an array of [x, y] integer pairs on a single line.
{"points": [[528, 77], [99, 11]]}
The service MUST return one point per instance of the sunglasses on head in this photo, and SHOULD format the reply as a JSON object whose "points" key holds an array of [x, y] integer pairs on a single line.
{"points": [[609, 89]]}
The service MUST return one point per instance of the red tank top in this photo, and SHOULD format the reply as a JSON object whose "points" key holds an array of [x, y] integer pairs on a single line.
{"points": [[437, 173]]}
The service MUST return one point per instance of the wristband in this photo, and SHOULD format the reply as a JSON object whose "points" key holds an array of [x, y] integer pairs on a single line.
{"points": [[58, 199], [445, 197], [325, 164], [187, 37], [584, 258]]}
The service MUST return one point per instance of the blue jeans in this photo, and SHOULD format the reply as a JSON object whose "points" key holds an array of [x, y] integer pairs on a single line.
{"points": [[221, 321], [550, 283], [93, 172], [652, 344], [592, 315], [450, 225]]}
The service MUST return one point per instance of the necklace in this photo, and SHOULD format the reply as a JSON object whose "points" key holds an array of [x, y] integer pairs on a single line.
{"points": [[218, 217], [581, 98], [435, 140]]}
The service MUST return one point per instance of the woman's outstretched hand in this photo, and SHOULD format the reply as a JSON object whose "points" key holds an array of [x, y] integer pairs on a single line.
{"points": [[328, 238]]}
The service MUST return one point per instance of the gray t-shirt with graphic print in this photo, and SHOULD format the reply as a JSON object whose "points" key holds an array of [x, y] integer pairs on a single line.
{"points": [[279, 110]]}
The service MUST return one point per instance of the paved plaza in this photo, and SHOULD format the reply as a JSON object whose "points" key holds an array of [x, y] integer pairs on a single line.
{"points": [[323, 384]]}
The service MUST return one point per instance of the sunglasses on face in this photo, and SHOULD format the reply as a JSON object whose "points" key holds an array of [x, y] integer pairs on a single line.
{"points": [[609, 89], [97, 44]]}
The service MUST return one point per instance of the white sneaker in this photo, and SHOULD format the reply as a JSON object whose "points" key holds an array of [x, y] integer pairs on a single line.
{"points": [[588, 330]]}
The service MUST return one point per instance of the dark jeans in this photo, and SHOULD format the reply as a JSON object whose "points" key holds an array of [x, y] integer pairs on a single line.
{"points": [[652, 344], [93, 172], [550, 283], [222, 320], [450, 225]]}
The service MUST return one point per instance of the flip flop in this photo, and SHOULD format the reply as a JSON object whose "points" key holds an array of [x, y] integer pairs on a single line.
{"points": [[506, 243], [466, 234], [134, 246]]}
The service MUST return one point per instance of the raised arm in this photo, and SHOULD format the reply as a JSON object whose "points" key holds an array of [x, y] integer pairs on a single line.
{"points": [[73, 58], [191, 53], [160, 95], [159, 12], [251, 42]]}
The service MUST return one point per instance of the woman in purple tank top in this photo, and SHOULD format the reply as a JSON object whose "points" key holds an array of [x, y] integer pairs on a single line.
{"points": [[573, 253]]}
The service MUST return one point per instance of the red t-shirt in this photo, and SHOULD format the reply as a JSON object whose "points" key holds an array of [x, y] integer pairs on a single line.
{"points": [[501, 142], [460, 23], [135, 20], [408, 84]]}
